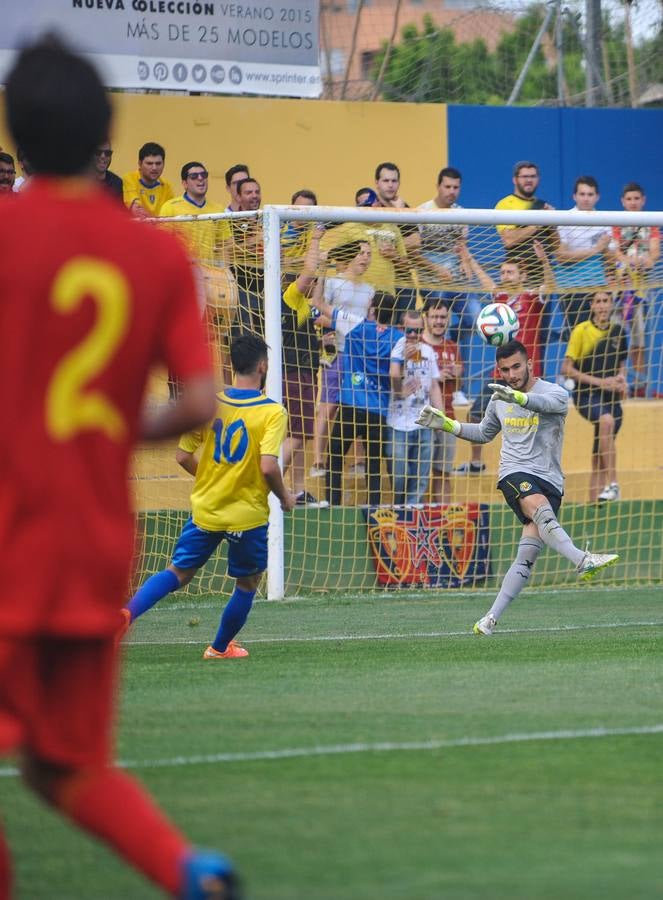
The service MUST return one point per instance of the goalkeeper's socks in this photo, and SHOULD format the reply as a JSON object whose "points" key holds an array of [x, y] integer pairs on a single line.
{"points": [[553, 535], [234, 616], [112, 806], [517, 576], [156, 587]]}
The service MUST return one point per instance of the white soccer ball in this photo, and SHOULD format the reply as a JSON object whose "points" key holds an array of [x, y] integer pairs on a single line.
{"points": [[497, 324]]}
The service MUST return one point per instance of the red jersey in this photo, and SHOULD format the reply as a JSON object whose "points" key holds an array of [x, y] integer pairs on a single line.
{"points": [[528, 306], [447, 353], [90, 301]]}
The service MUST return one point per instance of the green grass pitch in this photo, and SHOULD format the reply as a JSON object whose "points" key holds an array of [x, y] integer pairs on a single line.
{"points": [[372, 748]]}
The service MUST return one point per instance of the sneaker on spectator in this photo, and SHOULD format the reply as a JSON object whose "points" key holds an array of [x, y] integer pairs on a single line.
{"points": [[609, 492], [303, 498], [317, 470], [460, 399], [469, 468]]}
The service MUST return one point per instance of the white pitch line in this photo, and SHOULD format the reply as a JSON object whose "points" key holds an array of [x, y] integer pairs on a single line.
{"points": [[324, 638], [382, 747], [427, 594]]}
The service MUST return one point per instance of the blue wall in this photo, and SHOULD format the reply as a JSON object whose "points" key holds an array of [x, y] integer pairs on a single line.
{"points": [[613, 145]]}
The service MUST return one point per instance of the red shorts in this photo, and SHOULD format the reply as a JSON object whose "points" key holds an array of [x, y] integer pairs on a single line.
{"points": [[57, 698]]}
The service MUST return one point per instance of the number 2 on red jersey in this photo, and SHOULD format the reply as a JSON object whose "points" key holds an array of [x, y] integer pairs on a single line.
{"points": [[71, 406]]}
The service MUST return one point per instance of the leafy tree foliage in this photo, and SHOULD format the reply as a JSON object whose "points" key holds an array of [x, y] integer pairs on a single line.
{"points": [[430, 66]]}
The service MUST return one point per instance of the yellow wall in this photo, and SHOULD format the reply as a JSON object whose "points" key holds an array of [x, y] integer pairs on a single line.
{"points": [[330, 147]]}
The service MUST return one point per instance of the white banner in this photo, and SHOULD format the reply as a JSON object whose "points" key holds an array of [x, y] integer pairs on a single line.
{"points": [[267, 47]]}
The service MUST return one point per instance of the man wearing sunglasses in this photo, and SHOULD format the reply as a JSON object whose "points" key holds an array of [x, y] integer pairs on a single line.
{"points": [[203, 238], [102, 160]]}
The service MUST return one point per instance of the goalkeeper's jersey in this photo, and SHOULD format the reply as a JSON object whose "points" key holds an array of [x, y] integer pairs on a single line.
{"points": [[532, 436]]}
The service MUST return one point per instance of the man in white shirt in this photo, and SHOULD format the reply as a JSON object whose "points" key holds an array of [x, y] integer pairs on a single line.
{"points": [[414, 377], [582, 253]]}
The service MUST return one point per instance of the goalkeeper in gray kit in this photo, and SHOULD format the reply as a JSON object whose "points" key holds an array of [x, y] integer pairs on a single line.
{"points": [[531, 414]]}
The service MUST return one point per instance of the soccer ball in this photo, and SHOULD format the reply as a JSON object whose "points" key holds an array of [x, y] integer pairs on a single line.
{"points": [[496, 324]]}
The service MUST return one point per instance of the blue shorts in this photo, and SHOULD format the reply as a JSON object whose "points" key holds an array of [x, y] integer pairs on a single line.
{"points": [[247, 550]]}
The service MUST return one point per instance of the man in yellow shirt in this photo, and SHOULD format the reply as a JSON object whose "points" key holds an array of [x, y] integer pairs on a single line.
{"points": [[236, 469], [145, 191], [596, 360], [518, 240], [203, 238]]}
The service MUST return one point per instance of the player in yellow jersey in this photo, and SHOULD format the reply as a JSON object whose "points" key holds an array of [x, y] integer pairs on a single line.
{"points": [[204, 238], [145, 191], [234, 474]]}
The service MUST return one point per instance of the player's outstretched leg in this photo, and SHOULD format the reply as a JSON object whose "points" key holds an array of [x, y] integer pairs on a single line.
{"points": [[553, 535], [233, 618], [513, 583], [112, 806], [154, 589], [5, 868]]}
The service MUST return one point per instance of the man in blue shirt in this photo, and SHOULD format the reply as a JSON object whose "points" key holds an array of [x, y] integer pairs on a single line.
{"points": [[365, 392]]}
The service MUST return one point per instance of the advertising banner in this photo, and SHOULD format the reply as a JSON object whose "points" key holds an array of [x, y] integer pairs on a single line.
{"points": [[430, 545], [268, 47]]}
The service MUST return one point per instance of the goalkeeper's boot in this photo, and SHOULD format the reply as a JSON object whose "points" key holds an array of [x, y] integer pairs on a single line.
{"points": [[593, 563], [209, 876], [232, 651], [485, 626]]}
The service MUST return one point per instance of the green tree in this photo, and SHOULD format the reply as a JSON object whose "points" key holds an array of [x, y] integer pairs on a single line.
{"points": [[430, 66]]}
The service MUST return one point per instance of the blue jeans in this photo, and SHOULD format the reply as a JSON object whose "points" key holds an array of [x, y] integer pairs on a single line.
{"points": [[411, 458]]}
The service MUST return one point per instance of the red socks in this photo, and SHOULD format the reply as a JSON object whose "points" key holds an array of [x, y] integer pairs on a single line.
{"points": [[5, 870], [112, 806]]}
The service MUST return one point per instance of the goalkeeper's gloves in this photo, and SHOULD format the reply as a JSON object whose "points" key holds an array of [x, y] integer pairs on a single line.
{"points": [[429, 417], [502, 392]]}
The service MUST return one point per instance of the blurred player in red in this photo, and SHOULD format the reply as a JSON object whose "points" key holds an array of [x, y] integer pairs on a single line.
{"points": [[91, 300]]}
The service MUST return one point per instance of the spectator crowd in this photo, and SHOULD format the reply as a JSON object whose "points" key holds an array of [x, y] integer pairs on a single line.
{"points": [[377, 320]]}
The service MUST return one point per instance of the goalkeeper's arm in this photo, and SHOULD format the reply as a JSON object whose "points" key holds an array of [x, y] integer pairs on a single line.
{"points": [[482, 433], [430, 417]]}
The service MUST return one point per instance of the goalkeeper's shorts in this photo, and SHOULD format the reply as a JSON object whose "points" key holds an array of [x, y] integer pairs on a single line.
{"points": [[521, 484]]}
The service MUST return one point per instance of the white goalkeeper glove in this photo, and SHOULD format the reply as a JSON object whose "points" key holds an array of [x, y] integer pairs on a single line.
{"points": [[502, 392], [429, 417]]}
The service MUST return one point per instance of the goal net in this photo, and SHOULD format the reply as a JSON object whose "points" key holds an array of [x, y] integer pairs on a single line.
{"points": [[383, 504]]}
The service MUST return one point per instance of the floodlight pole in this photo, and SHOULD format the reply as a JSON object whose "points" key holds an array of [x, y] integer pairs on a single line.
{"points": [[592, 51], [559, 47], [532, 53]]}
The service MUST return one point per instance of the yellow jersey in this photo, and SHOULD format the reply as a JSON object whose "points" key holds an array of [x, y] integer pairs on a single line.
{"points": [[584, 339], [230, 492], [150, 198], [512, 201], [203, 239]]}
